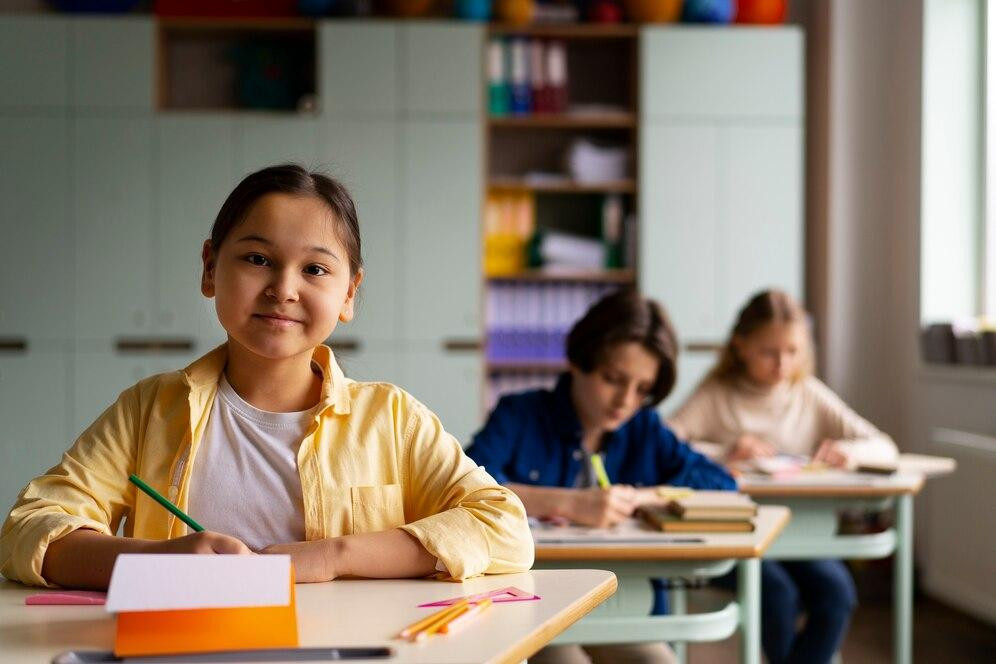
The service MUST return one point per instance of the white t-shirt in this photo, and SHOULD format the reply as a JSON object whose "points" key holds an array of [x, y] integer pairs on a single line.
{"points": [[245, 480]]}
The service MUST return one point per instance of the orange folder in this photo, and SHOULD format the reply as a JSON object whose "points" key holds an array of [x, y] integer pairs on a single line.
{"points": [[143, 633], [198, 629]]}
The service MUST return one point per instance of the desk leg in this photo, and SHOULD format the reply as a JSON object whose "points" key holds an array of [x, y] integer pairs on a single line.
{"points": [[749, 598], [678, 601], [902, 588]]}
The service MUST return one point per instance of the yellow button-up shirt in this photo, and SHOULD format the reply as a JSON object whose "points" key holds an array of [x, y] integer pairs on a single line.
{"points": [[373, 459]]}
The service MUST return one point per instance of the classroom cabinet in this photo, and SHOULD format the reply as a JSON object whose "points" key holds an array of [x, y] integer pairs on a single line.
{"points": [[113, 62], [100, 376], [36, 273], [362, 154], [369, 361], [703, 73], [358, 68], [195, 166], [721, 177], [441, 221], [35, 409], [442, 68], [269, 140], [114, 204], [34, 53], [449, 384]]}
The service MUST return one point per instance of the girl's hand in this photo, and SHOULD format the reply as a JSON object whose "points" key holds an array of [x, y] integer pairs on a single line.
{"points": [[602, 508], [313, 562], [748, 446], [832, 453], [202, 542]]}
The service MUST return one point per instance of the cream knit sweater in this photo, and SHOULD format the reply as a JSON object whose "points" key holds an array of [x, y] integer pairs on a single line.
{"points": [[794, 417]]}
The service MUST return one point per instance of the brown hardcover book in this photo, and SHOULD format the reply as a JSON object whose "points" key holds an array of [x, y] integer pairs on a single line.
{"points": [[714, 506], [661, 519]]}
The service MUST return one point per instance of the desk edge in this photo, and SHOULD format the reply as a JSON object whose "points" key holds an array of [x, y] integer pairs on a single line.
{"points": [[543, 634]]}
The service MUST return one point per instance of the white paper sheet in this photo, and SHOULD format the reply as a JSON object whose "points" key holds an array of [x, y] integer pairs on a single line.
{"points": [[160, 582]]}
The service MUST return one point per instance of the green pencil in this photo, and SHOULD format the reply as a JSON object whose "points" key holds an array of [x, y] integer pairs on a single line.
{"points": [[600, 474], [154, 495]]}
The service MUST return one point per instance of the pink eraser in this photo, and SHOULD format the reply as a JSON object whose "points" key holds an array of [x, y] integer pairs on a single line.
{"points": [[67, 597]]}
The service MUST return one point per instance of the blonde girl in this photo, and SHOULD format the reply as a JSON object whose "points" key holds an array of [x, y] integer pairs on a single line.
{"points": [[762, 399]]}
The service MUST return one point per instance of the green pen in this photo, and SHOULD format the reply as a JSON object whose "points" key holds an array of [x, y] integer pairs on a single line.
{"points": [[154, 495]]}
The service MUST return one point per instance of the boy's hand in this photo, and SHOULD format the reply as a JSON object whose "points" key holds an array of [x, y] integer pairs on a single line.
{"points": [[749, 446], [602, 508], [202, 542]]}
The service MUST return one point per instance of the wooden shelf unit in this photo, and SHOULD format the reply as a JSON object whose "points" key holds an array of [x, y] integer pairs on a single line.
{"points": [[577, 31], [608, 120], [603, 73], [208, 45]]}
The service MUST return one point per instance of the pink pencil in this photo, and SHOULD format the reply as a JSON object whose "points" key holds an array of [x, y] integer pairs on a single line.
{"points": [[465, 616]]}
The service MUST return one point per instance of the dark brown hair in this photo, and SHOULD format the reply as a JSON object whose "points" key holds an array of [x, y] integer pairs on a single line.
{"points": [[764, 308], [622, 317], [297, 181]]}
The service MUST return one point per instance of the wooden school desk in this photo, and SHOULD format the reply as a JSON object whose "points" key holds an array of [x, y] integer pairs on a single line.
{"points": [[350, 613], [816, 499], [636, 555]]}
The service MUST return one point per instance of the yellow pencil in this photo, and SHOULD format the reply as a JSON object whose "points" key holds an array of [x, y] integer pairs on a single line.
{"points": [[422, 624], [600, 474], [462, 618]]}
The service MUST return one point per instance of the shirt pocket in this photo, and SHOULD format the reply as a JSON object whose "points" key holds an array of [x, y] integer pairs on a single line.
{"points": [[377, 508]]}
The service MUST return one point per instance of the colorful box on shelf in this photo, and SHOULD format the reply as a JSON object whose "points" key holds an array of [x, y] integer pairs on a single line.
{"points": [[171, 604]]}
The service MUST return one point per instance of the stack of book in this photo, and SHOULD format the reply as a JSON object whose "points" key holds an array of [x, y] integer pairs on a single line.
{"points": [[703, 512]]}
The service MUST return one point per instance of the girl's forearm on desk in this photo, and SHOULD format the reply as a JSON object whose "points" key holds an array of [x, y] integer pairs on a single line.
{"points": [[390, 554], [85, 558]]}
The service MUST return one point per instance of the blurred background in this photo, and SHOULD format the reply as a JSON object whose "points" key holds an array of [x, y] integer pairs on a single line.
{"points": [[512, 161]]}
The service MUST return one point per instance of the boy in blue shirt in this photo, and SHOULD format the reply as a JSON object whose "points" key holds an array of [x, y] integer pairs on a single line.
{"points": [[621, 358]]}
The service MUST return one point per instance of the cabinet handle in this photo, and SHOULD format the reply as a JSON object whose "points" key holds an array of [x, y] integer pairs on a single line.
{"points": [[345, 345], [462, 345], [153, 345], [703, 347], [13, 344]]}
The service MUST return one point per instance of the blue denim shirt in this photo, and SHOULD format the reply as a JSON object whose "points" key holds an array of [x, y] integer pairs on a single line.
{"points": [[535, 438]]}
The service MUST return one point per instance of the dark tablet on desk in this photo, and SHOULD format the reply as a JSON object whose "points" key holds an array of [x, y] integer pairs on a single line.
{"points": [[263, 655]]}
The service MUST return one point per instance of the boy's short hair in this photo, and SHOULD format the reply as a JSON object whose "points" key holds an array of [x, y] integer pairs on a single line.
{"points": [[621, 317]]}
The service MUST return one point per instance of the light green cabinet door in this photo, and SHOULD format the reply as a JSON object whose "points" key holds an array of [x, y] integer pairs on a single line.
{"points": [[268, 140], [358, 68], [442, 68], [36, 273], [449, 384], [680, 225], [34, 409], [764, 229], [101, 376], [697, 73], [692, 368], [115, 218], [362, 155], [440, 231], [196, 171], [113, 62], [33, 50], [371, 362]]}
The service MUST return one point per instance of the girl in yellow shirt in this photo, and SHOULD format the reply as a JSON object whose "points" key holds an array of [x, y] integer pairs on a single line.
{"points": [[377, 487]]}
